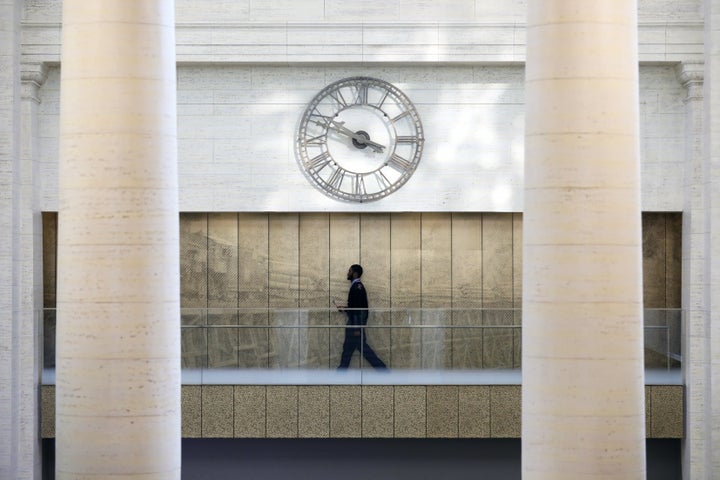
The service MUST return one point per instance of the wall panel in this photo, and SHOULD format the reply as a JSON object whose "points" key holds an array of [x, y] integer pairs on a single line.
{"points": [[283, 282], [497, 287], [216, 409], [250, 411], [375, 258], [253, 267], [474, 411], [467, 289], [194, 287], [662, 275], [654, 265], [344, 251], [378, 411], [314, 290], [314, 411], [406, 293], [443, 411], [517, 288], [314, 252], [673, 282], [282, 411], [222, 295], [49, 225], [410, 407], [346, 411], [436, 287], [673, 260]]}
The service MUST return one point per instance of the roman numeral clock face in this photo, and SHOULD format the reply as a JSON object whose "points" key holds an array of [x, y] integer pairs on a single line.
{"points": [[359, 139]]}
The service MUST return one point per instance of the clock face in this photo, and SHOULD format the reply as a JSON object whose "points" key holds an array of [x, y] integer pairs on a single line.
{"points": [[359, 139]]}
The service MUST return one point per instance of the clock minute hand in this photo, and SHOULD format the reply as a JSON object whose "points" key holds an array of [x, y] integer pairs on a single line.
{"points": [[340, 128]]}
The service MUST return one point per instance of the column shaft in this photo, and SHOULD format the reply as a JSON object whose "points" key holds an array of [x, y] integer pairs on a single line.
{"points": [[695, 262], [583, 392], [11, 321], [712, 167], [118, 334]]}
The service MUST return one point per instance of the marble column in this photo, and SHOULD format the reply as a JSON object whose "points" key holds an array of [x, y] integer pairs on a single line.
{"points": [[583, 392], [118, 334]]}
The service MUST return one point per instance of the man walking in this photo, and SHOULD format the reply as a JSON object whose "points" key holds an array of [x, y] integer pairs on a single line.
{"points": [[357, 314]]}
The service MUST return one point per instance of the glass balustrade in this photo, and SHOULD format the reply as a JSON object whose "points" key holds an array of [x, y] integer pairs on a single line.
{"points": [[419, 346]]}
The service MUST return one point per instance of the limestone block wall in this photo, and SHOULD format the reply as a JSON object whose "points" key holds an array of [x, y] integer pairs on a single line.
{"points": [[237, 129], [247, 68]]}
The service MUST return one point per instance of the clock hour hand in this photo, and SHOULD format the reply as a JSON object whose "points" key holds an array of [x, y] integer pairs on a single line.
{"points": [[355, 136]]}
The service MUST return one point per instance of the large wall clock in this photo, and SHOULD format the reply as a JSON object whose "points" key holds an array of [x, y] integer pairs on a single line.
{"points": [[359, 139]]}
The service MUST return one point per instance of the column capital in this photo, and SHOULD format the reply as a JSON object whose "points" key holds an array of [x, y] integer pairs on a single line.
{"points": [[32, 77], [692, 77]]}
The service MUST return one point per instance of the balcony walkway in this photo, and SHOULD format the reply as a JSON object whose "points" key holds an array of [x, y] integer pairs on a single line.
{"points": [[367, 376]]}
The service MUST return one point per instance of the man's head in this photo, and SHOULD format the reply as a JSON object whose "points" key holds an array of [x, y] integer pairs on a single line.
{"points": [[355, 271]]}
